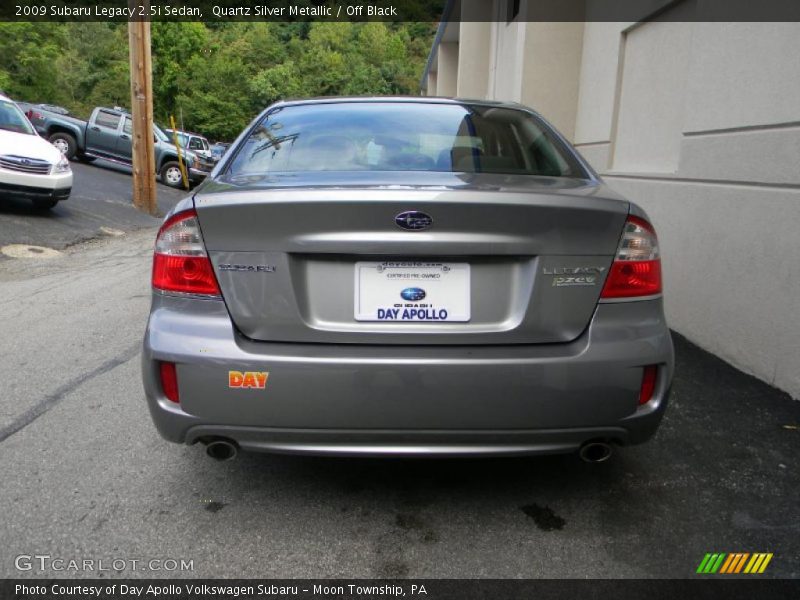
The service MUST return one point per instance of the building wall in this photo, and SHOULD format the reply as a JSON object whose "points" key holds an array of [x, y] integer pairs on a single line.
{"points": [[699, 123], [447, 74], [507, 59], [551, 86], [474, 57]]}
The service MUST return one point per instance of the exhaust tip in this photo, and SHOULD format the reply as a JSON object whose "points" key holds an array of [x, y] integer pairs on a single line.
{"points": [[596, 452], [222, 450]]}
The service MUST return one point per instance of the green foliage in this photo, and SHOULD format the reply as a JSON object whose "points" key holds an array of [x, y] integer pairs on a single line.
{"points": [[281, 81], [218, 76], [28, 57], [5, 80]]}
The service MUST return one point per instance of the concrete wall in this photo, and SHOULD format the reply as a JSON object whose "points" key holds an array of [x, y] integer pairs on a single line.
{"points": [[699, 124], [474, 56], [551, 86], [447, 72], [506, 63], [432, 83]]}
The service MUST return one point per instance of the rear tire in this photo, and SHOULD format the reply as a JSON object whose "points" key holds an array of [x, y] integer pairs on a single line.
{"points": [[65, 143], [171, 175], [44, 203]]}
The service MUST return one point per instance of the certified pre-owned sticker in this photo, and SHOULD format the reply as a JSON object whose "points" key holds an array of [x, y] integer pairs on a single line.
{"points": [[248, 379]]}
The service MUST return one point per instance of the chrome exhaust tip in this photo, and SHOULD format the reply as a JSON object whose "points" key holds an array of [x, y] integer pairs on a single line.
{"points": [[222, 450], [596, 452]]}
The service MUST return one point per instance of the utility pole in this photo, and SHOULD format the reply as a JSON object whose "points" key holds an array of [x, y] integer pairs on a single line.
{"points": [[144, 165]]}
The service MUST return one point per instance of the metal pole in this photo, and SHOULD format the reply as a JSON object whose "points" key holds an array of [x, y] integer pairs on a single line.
{"points": [[181, 162], [144, 168]]}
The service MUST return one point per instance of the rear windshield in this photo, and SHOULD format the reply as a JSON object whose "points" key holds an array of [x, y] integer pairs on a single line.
{"points": [[397, 136]]}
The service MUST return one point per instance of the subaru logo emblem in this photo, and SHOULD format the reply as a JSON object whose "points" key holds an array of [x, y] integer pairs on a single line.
{"points": [[413, 220], [413, 294]]}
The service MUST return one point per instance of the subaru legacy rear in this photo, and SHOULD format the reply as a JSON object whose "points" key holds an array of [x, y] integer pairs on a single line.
{"points": [[406, 276]]}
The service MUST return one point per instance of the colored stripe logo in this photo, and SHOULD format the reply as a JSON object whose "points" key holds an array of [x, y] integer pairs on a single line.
{"points": [[734, 563]]}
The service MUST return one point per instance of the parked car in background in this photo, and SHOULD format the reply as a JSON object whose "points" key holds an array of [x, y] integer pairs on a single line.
{"points": [[30, 167], [36, 114], [59, 110], [108, 135], [406, 276], [219, 149], [192, 141]]}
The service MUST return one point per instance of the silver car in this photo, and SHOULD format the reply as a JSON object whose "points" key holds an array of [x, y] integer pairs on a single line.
{"points": [[406, 276]]}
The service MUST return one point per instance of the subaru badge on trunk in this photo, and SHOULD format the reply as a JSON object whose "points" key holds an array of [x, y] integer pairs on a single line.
{"points": [[413, 220]]}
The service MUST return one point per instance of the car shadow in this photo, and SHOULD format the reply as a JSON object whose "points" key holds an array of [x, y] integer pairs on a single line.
{"points": [[25, 208], [423, 480], [128, 170], [725, 439]]}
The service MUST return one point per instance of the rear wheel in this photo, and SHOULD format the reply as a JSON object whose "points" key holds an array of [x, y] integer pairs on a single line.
{"points": [[65, 143], [171, 175], [44, 203]]}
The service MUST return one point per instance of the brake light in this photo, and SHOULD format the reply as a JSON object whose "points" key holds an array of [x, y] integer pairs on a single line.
{"points": [[636, 270], [180, 262], [169, 380], [648, 384]]}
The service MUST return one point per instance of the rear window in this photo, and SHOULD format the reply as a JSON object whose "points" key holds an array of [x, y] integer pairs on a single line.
{"points": [[107, 119], [397, 136]]}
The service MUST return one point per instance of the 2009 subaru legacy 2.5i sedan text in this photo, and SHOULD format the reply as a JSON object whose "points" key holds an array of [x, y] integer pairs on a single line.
{"points": [[406, 276]]}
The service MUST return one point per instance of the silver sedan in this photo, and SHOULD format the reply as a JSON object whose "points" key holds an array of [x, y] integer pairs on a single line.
{"points": [[406, 276]]}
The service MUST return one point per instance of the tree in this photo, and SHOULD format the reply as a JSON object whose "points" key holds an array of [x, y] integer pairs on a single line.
{"points": [[219, 75], [29, 55], [277, 83], [174, 44]]}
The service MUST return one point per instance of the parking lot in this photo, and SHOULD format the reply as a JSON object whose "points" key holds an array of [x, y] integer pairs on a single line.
{"points": [[86, 476], [100, 205]]}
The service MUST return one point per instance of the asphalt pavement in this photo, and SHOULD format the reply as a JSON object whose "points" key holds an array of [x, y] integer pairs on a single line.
{"points": [[85, 476], [100, 205]]}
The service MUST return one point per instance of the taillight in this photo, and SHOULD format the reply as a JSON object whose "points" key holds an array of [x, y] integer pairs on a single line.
{"points": [[180, 262], [636, 270], [169, 380], [648, 384]]}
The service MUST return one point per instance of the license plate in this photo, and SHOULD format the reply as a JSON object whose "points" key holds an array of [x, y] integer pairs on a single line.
{"points": [[412, 292]]}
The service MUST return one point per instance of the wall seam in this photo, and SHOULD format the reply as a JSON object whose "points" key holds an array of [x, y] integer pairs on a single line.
{"points": [[699, 180], [743, 129]]}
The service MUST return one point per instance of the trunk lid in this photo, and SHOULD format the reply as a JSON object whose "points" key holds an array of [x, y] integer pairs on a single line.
{"points": [[285, 253]]}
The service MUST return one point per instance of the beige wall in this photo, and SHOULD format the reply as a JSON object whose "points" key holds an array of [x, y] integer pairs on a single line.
{"points": [[506, 60], [432, 83], [551, 86], [700, 128], [447, 72], [475, 55]]}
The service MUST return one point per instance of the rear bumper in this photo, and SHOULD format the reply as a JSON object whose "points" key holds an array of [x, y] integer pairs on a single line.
{"points": [[408, 400], [198, 174], [444, 443]]}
